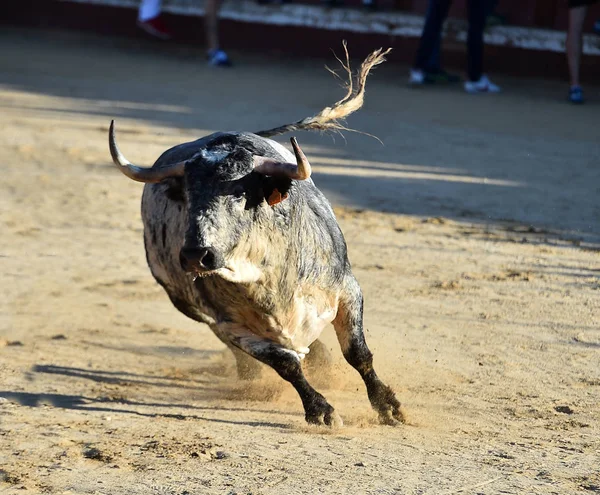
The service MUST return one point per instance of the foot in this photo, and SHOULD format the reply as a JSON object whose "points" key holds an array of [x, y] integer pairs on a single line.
{"points": [[218, 58], [325, 418], [383, 400], [416, 77], [388, 407], [484, 85], [320, 412], [576, 95], [441, 77], [155, 27]]}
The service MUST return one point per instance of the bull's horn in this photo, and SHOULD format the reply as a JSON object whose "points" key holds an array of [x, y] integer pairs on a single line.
{"points": [[141, 174], [299, 171]]}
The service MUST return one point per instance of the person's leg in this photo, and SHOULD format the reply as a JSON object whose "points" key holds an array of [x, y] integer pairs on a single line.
{"points": [[211, 23], [477, 12], [216, 56], [490, 13], [434, 64], [150, 20], [437, 12], [477, 82], [149, 9], [575, 41]]}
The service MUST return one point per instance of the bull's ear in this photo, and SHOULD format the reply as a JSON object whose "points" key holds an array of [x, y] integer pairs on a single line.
{"points": [[276, 189], [276, 197], [174, 189]]}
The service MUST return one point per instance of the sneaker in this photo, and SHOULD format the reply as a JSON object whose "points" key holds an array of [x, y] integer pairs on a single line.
{"points": [[416, 77], [218, 58], [576, 95], [441, 77], [155, 27], [484, 85]]}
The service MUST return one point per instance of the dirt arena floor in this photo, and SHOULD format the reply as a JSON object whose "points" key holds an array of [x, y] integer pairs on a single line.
{"points": [[474, 232]]}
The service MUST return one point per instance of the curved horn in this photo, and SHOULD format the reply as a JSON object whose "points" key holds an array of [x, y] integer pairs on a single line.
{"points": [[140, 174], [299, 171]]}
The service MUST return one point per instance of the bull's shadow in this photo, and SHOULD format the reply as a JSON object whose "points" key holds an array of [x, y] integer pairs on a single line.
{"points": [[208, 387], [83, 403], [119, 377]]}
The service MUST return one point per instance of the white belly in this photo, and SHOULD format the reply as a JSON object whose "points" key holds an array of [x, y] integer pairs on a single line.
{"points": [[295, 330], [311, 315]]}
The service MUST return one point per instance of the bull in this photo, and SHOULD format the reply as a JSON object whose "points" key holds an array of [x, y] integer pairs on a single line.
{"points": [[241, 239]]}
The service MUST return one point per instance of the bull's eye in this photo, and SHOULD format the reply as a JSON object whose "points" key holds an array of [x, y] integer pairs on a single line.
{"points": [[238, 191]]}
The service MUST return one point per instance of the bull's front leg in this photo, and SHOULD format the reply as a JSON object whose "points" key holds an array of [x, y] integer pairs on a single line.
{"points": [[249, 368], [348, 326], [287, 364]]}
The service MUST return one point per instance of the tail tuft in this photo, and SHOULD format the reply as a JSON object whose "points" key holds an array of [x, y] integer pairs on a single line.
{"points": [[331, 118]]}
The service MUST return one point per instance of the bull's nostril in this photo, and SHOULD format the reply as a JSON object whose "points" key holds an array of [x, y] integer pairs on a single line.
{"points": [[208, 259], [194, 258], [190, 258]]}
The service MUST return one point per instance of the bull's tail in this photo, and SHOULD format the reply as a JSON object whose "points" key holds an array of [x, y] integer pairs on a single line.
{"points": [[331, 118]]}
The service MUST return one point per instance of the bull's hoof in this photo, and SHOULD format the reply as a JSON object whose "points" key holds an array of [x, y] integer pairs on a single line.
{"points": [[319, 412], [388, 407], [391, 417], [330, 418]]}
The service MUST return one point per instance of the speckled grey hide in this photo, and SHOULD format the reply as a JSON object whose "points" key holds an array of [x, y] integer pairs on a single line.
{"points": [[285, 273]]}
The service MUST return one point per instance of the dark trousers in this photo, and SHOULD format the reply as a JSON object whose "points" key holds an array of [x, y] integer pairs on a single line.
{"points": [[428, 54]]}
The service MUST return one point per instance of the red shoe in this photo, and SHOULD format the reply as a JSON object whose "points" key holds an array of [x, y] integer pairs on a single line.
{"points": [[155, 27]]}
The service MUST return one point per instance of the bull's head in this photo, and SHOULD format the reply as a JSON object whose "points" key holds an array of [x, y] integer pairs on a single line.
{"points": [[228, 191]]}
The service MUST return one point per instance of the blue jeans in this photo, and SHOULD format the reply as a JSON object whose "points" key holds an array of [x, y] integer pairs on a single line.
{"points": [[428, 53]]}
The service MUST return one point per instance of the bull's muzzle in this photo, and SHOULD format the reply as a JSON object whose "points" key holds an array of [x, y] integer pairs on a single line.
{"points": [[200, 259]]}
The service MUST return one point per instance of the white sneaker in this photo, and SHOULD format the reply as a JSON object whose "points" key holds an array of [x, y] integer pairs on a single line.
{"points": [[417, 77], [484, 85]]}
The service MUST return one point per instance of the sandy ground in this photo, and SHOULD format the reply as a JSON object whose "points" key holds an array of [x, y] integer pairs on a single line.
{"points": [[474, 232]]}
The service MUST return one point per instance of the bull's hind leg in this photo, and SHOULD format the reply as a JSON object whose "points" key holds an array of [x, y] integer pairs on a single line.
{"points": [[319, 357], [248, 368], [349, 329], [287, 364]]}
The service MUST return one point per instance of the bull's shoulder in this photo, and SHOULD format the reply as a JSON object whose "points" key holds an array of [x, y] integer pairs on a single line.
{"points": [[319, 207], [319, 237]]}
